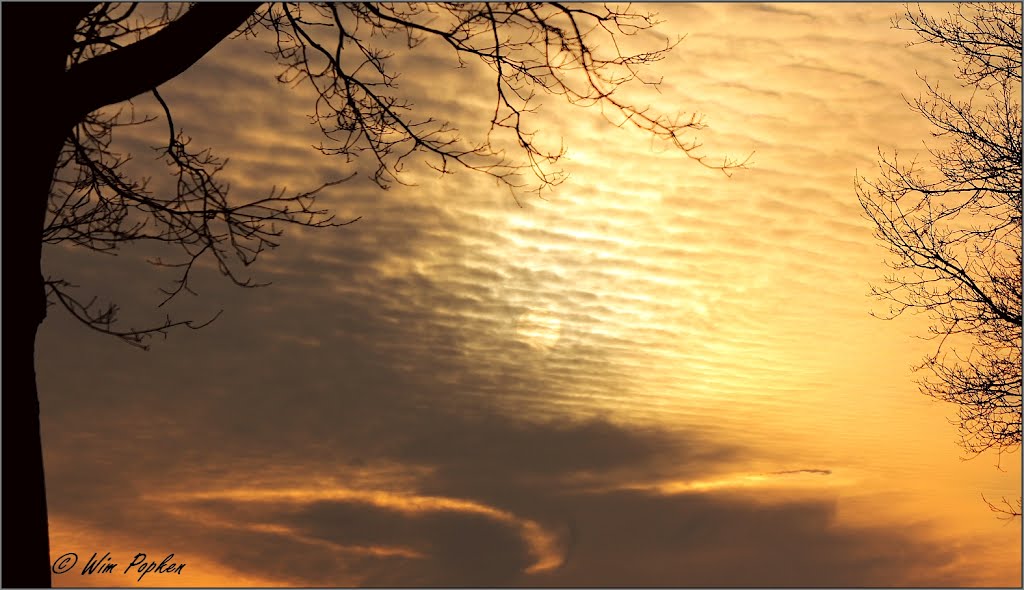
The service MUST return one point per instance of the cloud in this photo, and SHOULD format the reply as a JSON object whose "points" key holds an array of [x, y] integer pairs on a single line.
{"points": [[334, 536], [374, 538], [815, 471], [720, 539]]}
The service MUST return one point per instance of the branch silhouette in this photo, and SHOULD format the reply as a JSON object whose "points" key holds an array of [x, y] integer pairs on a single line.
{"points": [[953, 226]]}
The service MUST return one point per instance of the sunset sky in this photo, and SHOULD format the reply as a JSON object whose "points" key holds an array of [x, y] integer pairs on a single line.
{"points": [[655, 375]]}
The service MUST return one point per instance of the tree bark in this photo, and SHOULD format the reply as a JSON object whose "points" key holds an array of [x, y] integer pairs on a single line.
{"points": [[36, 39]]}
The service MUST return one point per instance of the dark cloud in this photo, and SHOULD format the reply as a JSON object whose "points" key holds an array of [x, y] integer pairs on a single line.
{"points": [[722, 539], [354, 542], [774, 9], [814, 471], [606, 538]]}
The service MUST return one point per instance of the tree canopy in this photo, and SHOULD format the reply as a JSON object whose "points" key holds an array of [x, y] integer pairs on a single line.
{"points": [[952, 226]]}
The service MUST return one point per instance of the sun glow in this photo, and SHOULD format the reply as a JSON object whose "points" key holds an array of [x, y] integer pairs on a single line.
{"points": [[539, 329]]}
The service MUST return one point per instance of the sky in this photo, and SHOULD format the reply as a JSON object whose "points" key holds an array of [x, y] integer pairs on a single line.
{"points": [[655, 375]]}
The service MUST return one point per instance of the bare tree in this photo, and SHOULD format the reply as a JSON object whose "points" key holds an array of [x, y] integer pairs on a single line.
{"points": [[953, 225], [70, 68]]}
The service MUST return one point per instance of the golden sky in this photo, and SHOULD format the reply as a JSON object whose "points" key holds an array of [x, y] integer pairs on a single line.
{"points": [[655, 375]]}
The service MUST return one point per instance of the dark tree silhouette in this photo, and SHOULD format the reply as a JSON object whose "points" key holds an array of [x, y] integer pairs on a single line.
{"points": [[953, 227], [70, 68]]}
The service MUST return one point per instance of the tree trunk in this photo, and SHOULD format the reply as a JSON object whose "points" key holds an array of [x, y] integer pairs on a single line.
{"points": [[36, 38], [27, 172]]}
